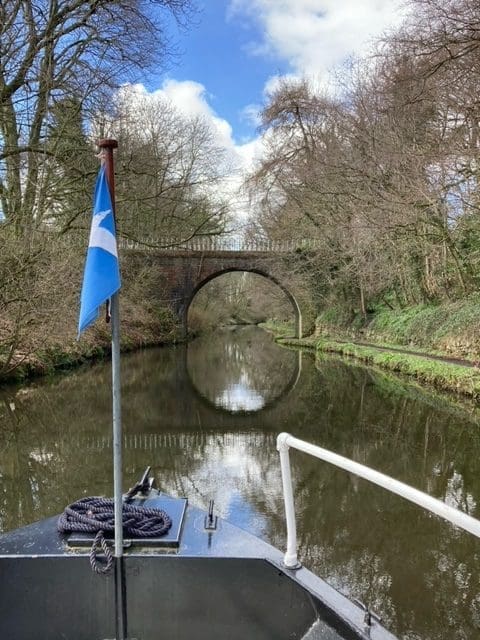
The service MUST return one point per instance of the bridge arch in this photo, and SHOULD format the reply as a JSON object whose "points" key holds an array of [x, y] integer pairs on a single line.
{"points": [[178, 275], [243, 269]]}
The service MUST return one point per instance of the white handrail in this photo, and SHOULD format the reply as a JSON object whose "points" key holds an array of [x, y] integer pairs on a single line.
{"points": [[285, 441]]}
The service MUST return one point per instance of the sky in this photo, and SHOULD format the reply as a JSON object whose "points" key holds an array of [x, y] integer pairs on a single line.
{"points": [[234, 53]]}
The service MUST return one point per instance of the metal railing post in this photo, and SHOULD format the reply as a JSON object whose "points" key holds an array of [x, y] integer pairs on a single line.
{"points": [[290, 559]]}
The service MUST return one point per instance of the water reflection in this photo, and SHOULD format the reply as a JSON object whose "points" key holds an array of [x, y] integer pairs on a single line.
{"points": [[239, 370], [240, 396], [420, 574]]}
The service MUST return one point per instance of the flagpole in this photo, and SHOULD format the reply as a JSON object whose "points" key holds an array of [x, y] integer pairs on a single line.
{"points": [[107, 146]]}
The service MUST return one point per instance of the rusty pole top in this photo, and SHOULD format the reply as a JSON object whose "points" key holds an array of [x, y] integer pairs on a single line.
{"points": [[105, 143]]}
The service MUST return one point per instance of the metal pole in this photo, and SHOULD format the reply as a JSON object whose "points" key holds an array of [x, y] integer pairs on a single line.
{"points": [[117, 426], [107, 146]]}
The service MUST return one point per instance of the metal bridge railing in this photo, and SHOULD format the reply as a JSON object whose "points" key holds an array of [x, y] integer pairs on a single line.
{"points": [[78, 239], [285, 441], [215, 243]]}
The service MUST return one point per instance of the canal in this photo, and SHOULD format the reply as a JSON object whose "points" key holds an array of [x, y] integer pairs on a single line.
{"points": [[205, 417]]}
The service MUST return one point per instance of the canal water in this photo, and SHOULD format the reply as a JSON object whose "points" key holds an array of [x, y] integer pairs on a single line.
{"points": [[205, 417]]}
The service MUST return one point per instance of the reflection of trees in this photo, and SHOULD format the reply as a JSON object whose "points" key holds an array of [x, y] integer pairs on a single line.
{"points": [[420, 574], [40, 470], [243, 359], [404, 563], [376, 546]]}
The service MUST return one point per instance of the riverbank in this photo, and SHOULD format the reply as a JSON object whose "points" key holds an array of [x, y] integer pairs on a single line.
{"points": [[458, 378], [48, 357], [450, 329]]}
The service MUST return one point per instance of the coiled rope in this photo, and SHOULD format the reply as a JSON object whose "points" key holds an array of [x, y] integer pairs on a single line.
{"points": [[96, 515]]}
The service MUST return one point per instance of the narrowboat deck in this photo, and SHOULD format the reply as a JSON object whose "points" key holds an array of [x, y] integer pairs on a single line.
{"points": [[203, 580]]}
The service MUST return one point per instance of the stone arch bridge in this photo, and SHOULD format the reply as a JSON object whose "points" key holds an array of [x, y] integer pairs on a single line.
{"points": [[182, 271]]}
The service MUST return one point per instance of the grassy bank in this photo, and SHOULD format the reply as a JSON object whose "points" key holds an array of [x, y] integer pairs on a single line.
{"points": [[39, 306], [279, 329], [451, 377], [451, 329]]}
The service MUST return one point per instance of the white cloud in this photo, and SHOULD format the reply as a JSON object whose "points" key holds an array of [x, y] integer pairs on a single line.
{"points": [[314, 36], [251, 114], [191, 99], [274, 82]]}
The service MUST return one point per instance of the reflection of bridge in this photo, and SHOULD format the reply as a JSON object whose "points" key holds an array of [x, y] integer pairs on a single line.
{"points": [[279, 395], [184, 269], [182, 441]]}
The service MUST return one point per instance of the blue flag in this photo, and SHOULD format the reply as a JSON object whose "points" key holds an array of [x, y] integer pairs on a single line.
{"points": [[101, 278]]}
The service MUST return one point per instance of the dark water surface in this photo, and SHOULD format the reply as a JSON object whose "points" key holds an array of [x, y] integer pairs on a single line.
{"points": [[206, 417]]}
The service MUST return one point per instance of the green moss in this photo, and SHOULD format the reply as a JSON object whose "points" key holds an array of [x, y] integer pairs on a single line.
{"points": [[451, 328], [336, 316], [55, 357]]}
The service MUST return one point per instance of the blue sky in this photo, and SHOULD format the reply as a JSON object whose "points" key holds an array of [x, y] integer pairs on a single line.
{"points": [[215, 53]]}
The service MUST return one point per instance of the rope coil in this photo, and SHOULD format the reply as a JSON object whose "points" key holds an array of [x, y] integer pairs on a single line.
{"points": [[97, 565], [96, 515]]}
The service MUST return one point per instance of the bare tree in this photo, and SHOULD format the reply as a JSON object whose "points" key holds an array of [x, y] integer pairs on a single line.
{"points": [[53, 50], [169, 169]]}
